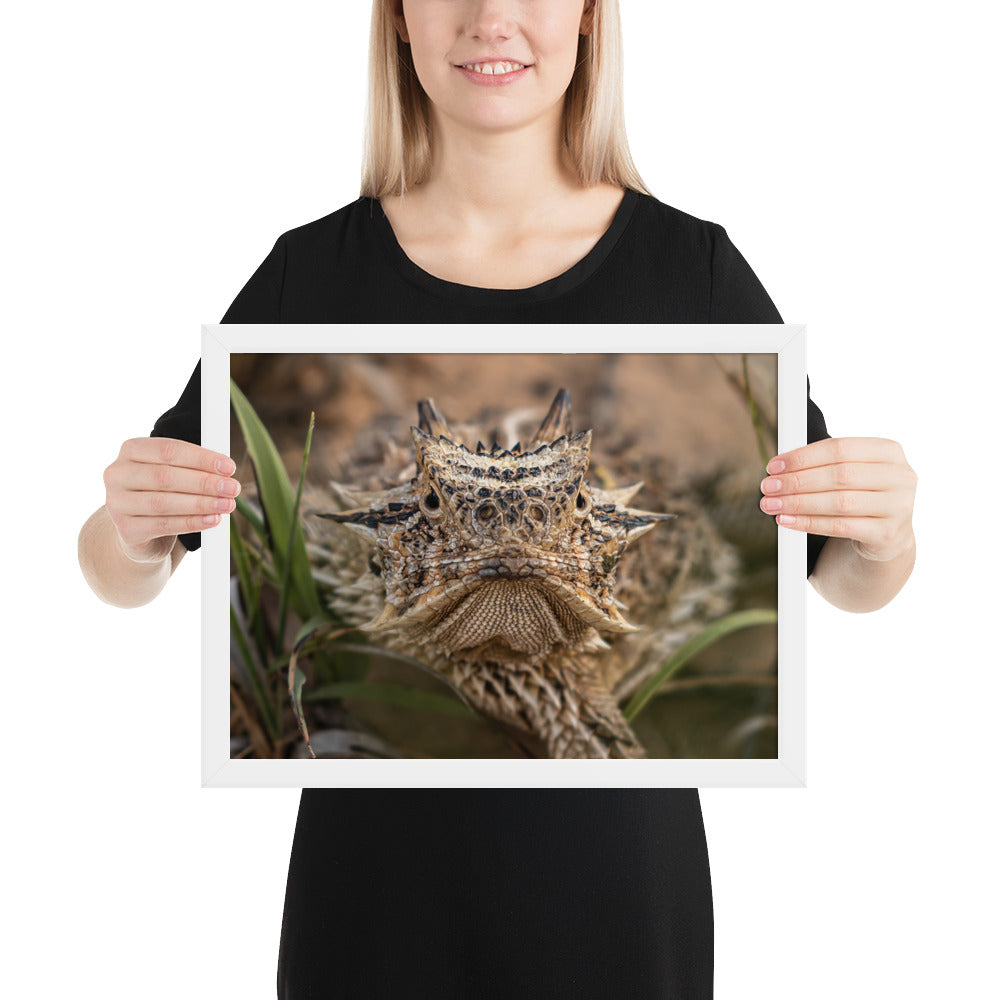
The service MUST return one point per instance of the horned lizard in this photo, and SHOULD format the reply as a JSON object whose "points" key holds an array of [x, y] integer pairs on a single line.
{"points": [[513, 572]]}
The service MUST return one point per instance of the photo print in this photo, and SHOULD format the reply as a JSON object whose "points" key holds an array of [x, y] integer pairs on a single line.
{"points": [[511, 558]]}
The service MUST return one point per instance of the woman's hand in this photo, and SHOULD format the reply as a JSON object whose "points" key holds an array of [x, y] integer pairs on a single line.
{"points": [[860, 489], [159, 488]]}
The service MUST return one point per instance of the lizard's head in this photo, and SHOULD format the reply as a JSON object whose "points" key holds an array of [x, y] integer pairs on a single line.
{"points": [[501, 552]]}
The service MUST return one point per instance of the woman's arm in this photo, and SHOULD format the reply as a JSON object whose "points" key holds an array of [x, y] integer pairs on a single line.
{"points": [[859, 492], [157, 489], [116, 577], [853, 583]]}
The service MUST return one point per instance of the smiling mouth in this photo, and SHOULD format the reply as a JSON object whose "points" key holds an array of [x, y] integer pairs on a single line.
{"points": [[493, 68]]}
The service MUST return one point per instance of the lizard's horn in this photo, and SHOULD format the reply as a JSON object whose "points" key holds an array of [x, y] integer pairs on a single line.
{"points": [[556, 422], [431, 419]]}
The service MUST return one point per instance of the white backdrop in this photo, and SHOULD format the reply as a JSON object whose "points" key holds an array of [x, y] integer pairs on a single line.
{"points": [[159, 149]]}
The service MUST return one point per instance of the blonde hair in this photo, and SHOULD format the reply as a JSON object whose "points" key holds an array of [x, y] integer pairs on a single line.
{"points": [[397, 143]]}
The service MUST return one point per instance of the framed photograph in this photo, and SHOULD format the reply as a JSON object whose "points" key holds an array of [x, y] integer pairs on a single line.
{"points": [[510, 567]]}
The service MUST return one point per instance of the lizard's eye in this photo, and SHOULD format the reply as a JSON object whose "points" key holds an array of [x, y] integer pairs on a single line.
{"points": [[485, 512], [430, 503], [537, 513]]}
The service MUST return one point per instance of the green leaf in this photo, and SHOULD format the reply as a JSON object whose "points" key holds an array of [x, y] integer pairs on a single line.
{"points": [[249, 589], [307, 630], [295, 529], [258, 688], [253, 519], [240, 560], [296, 681], [712, 633], [284, 533], [388, 654], [392, 694], [754, 414]]}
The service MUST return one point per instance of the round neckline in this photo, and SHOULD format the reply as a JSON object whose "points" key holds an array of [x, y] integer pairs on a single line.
{"points": [[549, 289]]}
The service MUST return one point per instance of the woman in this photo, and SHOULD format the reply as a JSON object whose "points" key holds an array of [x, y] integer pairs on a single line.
{"points": [[498, 188]]}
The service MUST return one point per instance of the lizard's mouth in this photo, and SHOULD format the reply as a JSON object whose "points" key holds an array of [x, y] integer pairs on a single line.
{"points": [[518, 600]]}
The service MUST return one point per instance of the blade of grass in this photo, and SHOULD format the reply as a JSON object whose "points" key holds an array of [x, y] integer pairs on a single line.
{"points": [[296, 681], [259, 743], [277, 499], [264, 707], [241, 561], [293, 527], [392, 694], [754, 414], [389, 654], [393, 654], [724, 626], [296, 678], [253, 519], [249, 582]]}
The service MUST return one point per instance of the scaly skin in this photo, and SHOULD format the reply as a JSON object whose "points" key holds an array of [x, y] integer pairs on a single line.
{"points": [[499, 569]]}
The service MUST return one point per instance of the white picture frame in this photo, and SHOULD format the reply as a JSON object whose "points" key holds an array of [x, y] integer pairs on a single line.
{"points": [[787, 342]]}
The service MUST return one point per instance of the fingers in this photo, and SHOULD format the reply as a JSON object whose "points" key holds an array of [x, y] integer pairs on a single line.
{"points": [[173, 452], [863, 530], [836, 451], [136, 532], [879, 538], [846, 503], [157, 504], [163, 487], [848, 476], [140, 477], [857, 488], [167, 465]]}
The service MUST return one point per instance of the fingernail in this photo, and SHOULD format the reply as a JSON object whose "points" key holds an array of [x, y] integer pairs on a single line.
{"points": [[786, 519], [771, 485], [775, 465], [229, 487], [211, 519], [771, 504], [225, 466]]}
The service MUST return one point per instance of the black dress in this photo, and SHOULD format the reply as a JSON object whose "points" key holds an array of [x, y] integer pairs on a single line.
{"points": [[498, 893]]}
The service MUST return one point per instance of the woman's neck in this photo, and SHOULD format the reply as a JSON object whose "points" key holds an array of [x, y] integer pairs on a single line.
{"points": [[500, 209], [498, 181]]}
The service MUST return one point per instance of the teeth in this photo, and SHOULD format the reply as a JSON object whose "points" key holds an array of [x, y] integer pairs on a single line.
{"points": [[495, 69]]}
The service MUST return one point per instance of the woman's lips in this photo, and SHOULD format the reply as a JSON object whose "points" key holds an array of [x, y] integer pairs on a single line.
{"points": [[498, 80]]}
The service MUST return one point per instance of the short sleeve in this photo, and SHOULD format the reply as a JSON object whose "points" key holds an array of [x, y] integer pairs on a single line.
{"points": [[258, 302], [260, 299], [737, 296], [183, 421]]}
